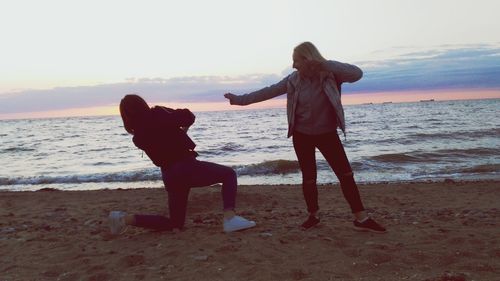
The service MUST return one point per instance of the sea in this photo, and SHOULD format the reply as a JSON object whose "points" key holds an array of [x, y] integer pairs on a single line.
{"points": [[389, 142]]}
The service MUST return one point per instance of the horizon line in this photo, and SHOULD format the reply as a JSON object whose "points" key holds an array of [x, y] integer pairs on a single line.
{"points": [[347, 100]]}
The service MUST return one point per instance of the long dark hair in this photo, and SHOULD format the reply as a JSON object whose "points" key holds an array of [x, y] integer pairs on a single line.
{"points": [[132, 109], [308, 51]]}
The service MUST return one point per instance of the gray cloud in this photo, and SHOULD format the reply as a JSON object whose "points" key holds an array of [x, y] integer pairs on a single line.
{"points": [[180, 89], [463, 68], [443, 68]]}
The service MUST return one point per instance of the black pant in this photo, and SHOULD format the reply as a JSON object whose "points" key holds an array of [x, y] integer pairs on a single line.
{"points": [[332, 149], [177, 205], [178, 179]]}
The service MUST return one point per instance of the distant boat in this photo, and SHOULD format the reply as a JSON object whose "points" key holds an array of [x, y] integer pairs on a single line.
{"points": [[427, 100], [368, 103], [385, 102]]}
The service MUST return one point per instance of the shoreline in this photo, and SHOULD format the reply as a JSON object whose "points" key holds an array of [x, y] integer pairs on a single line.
{"points": [[160, 185], [436, 231]]}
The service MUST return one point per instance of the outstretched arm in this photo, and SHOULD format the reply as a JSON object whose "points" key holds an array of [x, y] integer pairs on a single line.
{"points": [[343, 72], [260, 95], [231, 97]]}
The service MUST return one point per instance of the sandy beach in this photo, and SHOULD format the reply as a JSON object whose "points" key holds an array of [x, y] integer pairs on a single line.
{"points": [[436, 231]]}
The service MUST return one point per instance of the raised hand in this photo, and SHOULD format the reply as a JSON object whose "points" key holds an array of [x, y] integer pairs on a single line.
{"points": [[311, 68], [230, 97]]}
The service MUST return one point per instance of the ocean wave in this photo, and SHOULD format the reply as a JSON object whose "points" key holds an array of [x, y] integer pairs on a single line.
{"points": [[433, 136], [268, 168], [397, 158], [455, 135], [479, 169], [99, 149], [231, 146], [16, 149], [471, 152], [151, 174], [73, 136], [102, 163], [134, 176], [443, 154], [221, 150]]}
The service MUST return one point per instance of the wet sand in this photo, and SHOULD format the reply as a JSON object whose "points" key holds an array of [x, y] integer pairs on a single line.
{"points": [[436, 231]]}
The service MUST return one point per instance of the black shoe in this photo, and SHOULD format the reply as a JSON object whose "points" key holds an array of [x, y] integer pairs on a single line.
{"points": [[310, 222], [369, 225]]}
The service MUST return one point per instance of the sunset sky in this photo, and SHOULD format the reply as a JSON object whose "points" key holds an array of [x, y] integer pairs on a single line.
{"points": [[64, 58]]}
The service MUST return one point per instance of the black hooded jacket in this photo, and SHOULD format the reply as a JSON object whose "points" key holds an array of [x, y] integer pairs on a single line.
{"points": [[159, 134]]}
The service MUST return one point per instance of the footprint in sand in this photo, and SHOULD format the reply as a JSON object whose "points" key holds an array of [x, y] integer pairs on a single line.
{"points": [[100, 277], [446, 260], [378, 257], [132, 260], [228, 249]]}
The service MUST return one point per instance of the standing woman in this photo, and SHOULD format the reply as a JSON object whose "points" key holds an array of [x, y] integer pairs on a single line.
{"points": [[161, 132], [314, 112]]}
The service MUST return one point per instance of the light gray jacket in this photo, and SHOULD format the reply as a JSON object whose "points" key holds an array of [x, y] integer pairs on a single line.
{"points": [[334, 73]]}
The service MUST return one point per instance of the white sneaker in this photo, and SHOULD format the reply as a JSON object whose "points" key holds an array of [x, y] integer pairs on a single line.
{"points": [[117, 223], [237, 223]]}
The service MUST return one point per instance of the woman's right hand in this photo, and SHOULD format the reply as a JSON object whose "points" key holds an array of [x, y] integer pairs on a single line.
{"points": [[311, 68], [230, 97]]}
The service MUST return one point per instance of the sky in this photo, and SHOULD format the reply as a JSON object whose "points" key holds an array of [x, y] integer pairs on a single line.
{"points": [[63, 58]]}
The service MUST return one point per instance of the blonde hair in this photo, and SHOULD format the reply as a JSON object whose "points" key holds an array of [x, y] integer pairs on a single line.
{"points": [[308, 51], [132, 109]]}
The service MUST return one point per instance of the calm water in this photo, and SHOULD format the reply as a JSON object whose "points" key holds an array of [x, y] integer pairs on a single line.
{"points": [[385, 142]]}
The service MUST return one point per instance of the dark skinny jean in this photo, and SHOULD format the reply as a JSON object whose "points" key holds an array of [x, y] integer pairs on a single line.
{"points": [[178, 179], [332, 149]]}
